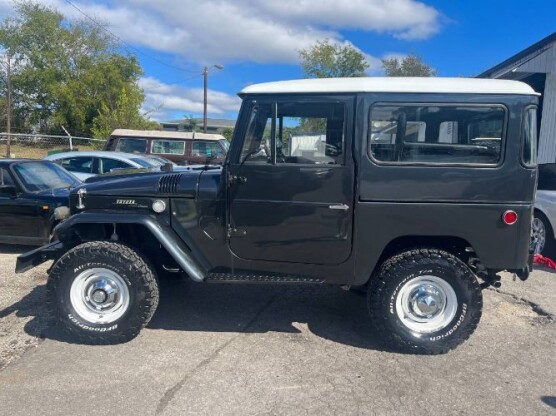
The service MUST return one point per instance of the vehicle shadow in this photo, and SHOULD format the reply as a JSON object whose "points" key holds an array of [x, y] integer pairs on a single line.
{"points": [[549, 400], [326, 311], [14, 249]]}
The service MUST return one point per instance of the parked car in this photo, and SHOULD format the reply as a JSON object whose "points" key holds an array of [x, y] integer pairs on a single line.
{"points": [[32, 195], [87, 164], [544, 221], [183, 148], [423, 224]]}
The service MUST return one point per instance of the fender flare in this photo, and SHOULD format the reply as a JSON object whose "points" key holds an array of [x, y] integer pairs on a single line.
{"points": [[164, 234]]}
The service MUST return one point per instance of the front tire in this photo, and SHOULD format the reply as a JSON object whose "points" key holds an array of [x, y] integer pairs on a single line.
{"points": [[426, 301], [102, 292]]}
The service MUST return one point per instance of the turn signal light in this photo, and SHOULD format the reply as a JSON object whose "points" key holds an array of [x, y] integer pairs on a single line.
{"points": [[509, 217]]}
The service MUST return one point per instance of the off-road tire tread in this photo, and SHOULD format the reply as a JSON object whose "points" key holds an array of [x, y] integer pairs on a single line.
{"points": [[407, 260], [147, 279]]}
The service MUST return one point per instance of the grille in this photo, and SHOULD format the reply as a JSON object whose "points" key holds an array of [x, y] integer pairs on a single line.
{"points": [[169, 184]]}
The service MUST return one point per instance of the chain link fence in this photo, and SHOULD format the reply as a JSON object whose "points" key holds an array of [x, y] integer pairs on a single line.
{"points": [[37, 146]]}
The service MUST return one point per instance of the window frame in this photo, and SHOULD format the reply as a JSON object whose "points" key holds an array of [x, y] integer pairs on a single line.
{"points": [[376, 161], [274, 101], [167, 140]]}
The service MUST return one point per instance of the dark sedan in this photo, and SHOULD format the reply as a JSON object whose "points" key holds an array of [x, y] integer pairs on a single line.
{"points": [[30, 193]]}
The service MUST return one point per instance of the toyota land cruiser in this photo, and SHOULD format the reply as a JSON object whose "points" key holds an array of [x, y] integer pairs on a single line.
{"points": [[417, 191]]}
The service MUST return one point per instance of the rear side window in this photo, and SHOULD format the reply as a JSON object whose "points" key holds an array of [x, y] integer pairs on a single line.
{"points": [[168, 147], [530, 137], [78, 164], [106, 165], [128, 145], [5, 178], [207, 149], [547, 177], [436, 134]]}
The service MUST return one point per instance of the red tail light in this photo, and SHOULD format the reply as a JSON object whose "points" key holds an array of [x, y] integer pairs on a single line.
{"points": [[509, 217]]}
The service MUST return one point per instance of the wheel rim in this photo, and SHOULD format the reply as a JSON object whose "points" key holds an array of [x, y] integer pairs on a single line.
{"points": [[426, 304], [538, 235], [99, 296]]}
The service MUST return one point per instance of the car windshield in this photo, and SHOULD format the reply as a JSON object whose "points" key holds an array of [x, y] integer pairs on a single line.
{"points": [[225, 144], [43, 176], [145, 163]]}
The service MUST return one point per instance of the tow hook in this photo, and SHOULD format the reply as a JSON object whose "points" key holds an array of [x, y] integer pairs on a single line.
{"points": [[491, 279]]}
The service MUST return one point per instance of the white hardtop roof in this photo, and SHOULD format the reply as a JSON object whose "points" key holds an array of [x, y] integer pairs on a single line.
{"points": [[160, 134], [394, 85]]}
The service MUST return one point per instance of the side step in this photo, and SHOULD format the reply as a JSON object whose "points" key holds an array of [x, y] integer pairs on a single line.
{"points": [[259, 278]]}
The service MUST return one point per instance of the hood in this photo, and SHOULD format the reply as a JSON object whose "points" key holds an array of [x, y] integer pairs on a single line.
{"points": [[143, 183]]}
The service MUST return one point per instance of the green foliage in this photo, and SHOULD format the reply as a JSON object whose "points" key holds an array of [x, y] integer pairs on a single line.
{"points": [[409, 66], [65, 73], [329, 60], [228, 133], [124, 113]]}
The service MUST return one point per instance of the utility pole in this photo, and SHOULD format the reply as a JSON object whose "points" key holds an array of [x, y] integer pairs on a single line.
{"points": [[205, 76], [9, 106], [205, 91]]}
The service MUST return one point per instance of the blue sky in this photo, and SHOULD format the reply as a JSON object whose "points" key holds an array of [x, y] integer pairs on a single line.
{"points": [[258, 40]]}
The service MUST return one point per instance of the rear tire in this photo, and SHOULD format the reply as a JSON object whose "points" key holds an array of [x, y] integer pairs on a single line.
{"points": [[102, 292], [542, 240], [425, 301]]}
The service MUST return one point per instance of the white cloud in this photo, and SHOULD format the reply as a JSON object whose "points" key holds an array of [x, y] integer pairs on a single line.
{"points": [[270, 31], [166, 101]]}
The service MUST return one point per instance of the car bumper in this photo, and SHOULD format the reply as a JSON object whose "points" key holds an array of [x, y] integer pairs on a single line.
{"points": [[33, 258]]}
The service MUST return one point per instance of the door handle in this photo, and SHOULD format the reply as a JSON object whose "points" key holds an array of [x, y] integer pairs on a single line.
{"points": [[342, 207]]}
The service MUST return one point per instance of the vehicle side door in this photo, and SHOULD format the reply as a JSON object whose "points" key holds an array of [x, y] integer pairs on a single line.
{"points": [[291, 185], [20, 214]]}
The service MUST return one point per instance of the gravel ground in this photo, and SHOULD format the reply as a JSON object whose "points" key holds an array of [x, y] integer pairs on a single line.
{"points": [[22, 311], [254, 349]]}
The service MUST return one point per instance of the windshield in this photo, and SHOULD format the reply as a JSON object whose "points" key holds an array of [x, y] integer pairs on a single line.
{"points": [[225, 144], [145, 163], [44, 176]]}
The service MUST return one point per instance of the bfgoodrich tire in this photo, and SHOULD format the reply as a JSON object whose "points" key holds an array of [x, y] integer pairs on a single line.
{"points": [[425, 301], [102, 292]]}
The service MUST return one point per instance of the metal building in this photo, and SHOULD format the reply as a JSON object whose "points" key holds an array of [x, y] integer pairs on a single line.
{"points": [[536, 66]]}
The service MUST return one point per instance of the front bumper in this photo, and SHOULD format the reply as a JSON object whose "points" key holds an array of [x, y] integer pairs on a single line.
{"points": [[33, 258]]}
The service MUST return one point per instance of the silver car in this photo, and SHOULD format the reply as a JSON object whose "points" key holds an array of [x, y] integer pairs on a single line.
{"points": [[87, 164], [544, 221]]}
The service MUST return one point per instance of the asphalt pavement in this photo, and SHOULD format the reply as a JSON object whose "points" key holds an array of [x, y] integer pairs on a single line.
{"points": [[220, 349]]}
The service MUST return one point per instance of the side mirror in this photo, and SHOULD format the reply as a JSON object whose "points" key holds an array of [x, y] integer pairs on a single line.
{"points": [[8, 190]]}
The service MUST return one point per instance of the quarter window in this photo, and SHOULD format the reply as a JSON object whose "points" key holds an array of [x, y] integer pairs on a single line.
{"points": [[5, 178], [530, 137], [453, 134], [168, 147]]}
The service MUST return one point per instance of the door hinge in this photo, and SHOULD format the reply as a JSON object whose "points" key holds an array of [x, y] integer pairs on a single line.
{"points": [[236, 232]]}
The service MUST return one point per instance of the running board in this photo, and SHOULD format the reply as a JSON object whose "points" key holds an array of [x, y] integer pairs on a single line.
{"points": [[259, 278]]}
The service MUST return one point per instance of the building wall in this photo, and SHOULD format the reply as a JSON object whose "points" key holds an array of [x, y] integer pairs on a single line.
{"points": [[547, 137]]}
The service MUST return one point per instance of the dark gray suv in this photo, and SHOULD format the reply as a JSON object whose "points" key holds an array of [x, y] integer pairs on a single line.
{"points": [[416, 191]]}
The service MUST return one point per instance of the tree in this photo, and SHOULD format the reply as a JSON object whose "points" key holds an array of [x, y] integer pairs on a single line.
{"points": [[327, 60], [123, 114], [228, 133], [408, 66], [65, 73]]}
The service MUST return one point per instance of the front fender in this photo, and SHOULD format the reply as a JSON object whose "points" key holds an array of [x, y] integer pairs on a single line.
{"points": [[164, 234]]}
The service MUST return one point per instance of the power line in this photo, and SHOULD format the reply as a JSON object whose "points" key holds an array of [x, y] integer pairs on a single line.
{"points": [[103, 27]]}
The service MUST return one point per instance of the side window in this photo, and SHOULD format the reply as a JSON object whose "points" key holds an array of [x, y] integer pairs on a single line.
{"points": [[530, 137], [78, 164], [310, 133], [256, 144], [206, 149], [6, 178], [452, 134], [106, 165], [130, 145], [168, 147]]}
